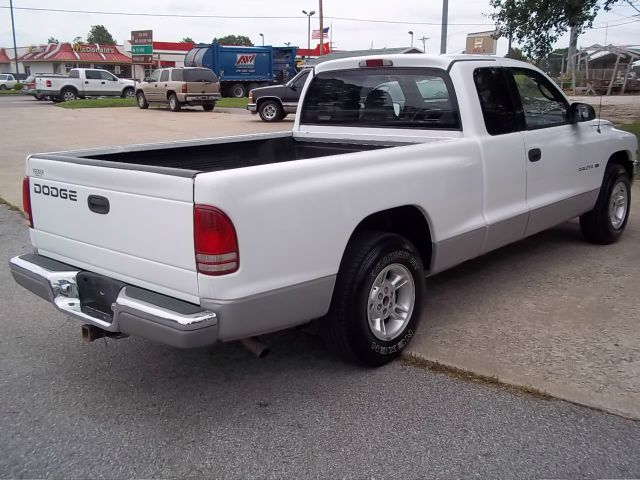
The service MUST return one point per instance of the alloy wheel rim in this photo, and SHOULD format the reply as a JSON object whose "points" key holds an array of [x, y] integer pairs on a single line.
{"points": [[391, 302], [140, 100], [69, 96], [270, 111], [618, 204]]}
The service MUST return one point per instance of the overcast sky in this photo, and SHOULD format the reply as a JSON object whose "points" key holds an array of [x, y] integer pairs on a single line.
{"points": [[464, 16]]}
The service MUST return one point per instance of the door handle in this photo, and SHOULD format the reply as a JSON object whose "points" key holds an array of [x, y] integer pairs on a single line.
{"points": [[98, 204], [87, 82], [102, 83], [535, 154]]}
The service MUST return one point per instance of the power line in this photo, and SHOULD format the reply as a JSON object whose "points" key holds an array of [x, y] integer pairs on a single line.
{"points": [[243, 17]]}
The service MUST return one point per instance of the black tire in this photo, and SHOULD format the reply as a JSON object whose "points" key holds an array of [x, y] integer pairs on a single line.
{"points": [[142, 101], [69, 95], [271, 111], [3, 87], [598, 225], [174, 104], [39, 97], [128, 93], [347, 327], [237, 90], [208, 107], [56, 99]]}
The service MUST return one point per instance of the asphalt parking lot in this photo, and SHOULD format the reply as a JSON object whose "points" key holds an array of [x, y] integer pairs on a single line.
{"points": [[130, 408]]}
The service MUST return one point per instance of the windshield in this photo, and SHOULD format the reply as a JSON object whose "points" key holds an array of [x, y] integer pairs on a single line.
{"points": [[382, 97], [199, 75]]}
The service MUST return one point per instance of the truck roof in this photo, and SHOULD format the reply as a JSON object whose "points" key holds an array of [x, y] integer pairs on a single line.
{"points": [[415, 60]]}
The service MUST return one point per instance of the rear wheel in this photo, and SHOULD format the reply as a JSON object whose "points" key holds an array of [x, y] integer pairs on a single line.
{"points": [[608, 219], [128, 93], [238, 90], [377, 300], [69, 95], [208, 107], [142, 100], [271, 111], [3, 87], [174, 104]]}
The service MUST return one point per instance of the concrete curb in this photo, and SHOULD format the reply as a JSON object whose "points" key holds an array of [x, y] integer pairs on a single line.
{"points": [[624, 406]]}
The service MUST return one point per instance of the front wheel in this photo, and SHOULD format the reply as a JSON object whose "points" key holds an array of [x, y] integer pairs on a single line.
{"points": [[174, 104], [608, 219], [3, 87], [128, 93], [208, 107], [142, 101], [271, 111], [377, 300]]}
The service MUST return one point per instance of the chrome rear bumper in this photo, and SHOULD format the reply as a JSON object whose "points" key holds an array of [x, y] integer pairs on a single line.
{"points": [[136, 311]]}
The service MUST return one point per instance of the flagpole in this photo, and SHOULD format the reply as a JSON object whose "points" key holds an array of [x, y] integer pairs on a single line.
{"points": [[321, 30], [331, 37]]}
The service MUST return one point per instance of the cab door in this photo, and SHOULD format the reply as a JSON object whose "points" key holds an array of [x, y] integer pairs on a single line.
{"points": [[151, 87], [92, 83], [291, 95], [109, 84], [163, 86], [560, 154]]}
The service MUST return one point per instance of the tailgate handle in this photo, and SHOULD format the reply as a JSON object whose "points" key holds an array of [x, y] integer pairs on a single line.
{"points": [[98, 204]]}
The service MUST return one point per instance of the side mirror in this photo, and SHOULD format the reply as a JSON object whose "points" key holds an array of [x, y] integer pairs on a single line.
{"points": [[582, 112], [293, 87], [145, 79]]}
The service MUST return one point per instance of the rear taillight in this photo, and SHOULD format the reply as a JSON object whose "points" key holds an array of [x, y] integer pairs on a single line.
{"points": [[184, 88], [26, 200], [215, 240], [48, 83]]}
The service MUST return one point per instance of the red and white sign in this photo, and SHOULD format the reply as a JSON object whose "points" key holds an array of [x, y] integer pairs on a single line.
{"points": [[245, 60]]}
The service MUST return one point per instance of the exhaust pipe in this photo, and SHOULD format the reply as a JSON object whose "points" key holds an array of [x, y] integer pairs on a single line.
{"points": [[255, 346], [91, 333]]}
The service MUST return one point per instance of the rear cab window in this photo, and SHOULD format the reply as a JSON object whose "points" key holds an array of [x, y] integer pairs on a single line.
{"points": [[420, 98]]}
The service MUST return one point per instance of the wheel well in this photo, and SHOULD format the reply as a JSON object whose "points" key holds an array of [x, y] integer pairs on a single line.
{"points": [[169, 93], [69, 87], [622, 158], [407, 221], [260, 101]]}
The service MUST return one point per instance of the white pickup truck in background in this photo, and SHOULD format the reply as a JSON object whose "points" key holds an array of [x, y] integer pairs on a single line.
{"points": [[398, 167], [82, 83]]}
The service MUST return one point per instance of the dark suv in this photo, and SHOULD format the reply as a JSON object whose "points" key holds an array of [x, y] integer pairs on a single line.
{"points": [[273, 103]]}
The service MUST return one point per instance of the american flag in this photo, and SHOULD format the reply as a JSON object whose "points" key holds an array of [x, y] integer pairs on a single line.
{"points": [[316, 33]]}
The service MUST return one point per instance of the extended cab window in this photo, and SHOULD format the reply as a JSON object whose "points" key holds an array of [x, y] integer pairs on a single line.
{"points": [[74, 74], [542, 103], [165, 76], [382, 97], [497, 105]]}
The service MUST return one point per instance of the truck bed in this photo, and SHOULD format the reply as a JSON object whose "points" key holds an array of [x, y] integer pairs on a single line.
{"points": [[216, 156]]}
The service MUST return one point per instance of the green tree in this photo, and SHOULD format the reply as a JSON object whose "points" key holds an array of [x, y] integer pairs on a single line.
{"points": [[234, 40], [537, 24], [99, 34], [517, 54], [187, 40], [53, 40]]}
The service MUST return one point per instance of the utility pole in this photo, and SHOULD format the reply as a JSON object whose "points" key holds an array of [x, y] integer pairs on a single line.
{"points": [[13, 30], [571, 61], [443, 31], [424, 43], [321, 29], [309, 14]]}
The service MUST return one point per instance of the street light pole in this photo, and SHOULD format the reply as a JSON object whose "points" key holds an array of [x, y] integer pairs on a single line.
{"points": [[411, 33], [262, 35], [13, 30], [312, 12], [424, 43]]}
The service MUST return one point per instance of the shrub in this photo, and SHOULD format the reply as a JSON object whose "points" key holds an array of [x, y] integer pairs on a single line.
{"points": [[18, 86]]}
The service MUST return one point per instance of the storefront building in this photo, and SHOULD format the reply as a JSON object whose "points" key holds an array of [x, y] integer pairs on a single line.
{"points": [[5, 62], [62, 57]]}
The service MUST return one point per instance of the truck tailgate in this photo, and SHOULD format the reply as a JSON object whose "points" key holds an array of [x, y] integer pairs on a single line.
{"points": [[145, 238]]}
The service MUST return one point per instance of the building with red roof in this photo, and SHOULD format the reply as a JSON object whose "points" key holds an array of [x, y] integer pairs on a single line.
{"points": [[5, 62], [62, 57]]}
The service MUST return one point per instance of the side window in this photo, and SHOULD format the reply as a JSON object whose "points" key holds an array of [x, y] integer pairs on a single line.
{"points": [[92, 75], [299, 83], [165, 76], [177, 75], [155, 76], [107, 76], [74, 74], [542, 103], [495, 100]]}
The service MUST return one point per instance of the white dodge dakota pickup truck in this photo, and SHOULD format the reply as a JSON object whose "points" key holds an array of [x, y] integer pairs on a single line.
{"points": [[397, 168], [82, 83]]}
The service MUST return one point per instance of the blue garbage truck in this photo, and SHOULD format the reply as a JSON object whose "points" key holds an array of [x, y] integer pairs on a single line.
{"points": [[241, 68]]}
